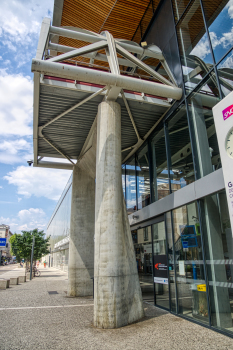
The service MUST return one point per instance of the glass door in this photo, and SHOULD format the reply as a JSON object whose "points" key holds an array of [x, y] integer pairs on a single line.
{"points": [[160, 265], [143, 252]]}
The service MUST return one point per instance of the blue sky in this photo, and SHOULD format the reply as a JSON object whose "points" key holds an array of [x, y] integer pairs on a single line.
{"points": [[28, 195]]}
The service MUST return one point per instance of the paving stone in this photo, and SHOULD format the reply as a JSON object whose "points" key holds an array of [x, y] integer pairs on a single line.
{"points": [[35, 319]]}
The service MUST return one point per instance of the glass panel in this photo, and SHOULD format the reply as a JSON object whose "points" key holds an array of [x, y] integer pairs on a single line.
{"points": [[205, 144], [131, 187], [225, 74], [194, 46], [143, 251], [180, 148], [59, 227], [178, 7], [160, 179], [143, 178], [123, 178], [191, 287], [171, 267], [160, 265], [219, 255], [219, 17]]}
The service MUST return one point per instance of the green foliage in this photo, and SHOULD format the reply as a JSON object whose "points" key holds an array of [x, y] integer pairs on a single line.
{"points": [[21, 245]]}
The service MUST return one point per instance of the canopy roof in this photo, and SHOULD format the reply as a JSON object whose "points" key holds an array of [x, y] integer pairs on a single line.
{"points": [[75, 69]]}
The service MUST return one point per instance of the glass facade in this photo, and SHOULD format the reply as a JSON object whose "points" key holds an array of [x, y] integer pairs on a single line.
{"points": [[185, 260], [219, 254], [184, 147], [194, 241], [59, 229]]}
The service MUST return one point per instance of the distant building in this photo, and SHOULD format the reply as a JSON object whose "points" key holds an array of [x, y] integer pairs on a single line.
{"points": [[6, 233]]}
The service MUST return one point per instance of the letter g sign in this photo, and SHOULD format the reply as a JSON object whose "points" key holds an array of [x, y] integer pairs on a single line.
{"points": [[229, 184]]}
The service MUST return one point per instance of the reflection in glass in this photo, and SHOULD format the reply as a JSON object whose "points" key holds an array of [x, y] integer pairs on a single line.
{"points": [[59, 227], [160, 257], [219, 255], [225, 74], [180, 149], [178, 7], [131, 204], [219, 17], [171, 266], [194, 46], [191, 286], [143, 251], [123, 178], [143, 178], [205, 144], [160, 179]]}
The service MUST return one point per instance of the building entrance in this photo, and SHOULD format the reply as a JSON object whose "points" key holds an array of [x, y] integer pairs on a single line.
{"points": [[151, 255]]}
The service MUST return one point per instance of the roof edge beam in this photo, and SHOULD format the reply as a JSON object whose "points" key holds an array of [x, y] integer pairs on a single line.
{"points": [[101, 77], [54, 165]]}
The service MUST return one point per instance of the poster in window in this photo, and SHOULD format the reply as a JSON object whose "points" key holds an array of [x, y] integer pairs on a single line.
{"points": [[160, 269]]}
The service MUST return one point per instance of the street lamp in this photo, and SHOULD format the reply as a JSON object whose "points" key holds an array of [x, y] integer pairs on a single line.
{"points": [[33, 243]]}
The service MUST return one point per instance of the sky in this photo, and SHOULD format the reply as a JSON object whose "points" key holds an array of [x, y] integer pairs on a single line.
{"points": [[28, 195]]}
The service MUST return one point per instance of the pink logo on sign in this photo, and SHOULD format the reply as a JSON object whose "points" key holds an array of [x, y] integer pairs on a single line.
{"points": [[227, 112]]}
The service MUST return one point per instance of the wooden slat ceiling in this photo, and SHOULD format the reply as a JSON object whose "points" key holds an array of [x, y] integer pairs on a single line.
{"points": [[119, 17]]}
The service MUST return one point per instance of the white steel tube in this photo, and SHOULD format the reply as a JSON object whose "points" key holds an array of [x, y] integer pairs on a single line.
{"points": [[156, 53], [101, 77]]}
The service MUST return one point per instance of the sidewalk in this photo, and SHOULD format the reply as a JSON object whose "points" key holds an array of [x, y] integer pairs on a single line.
{"points": [[32, 317]]}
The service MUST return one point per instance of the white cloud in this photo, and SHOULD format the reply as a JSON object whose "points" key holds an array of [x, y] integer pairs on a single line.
{"points": [[1, 187], [230, 8], [15, 151], [228, 63], [16, 104], [32, 218], [202, 49], [20, 20], [39, 182], [26, 219]]}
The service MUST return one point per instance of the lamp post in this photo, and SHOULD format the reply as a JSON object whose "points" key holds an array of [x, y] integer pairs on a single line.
{"points": [[33, 243]]}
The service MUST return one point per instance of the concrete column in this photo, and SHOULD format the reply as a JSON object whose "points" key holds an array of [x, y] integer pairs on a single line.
{"points": [[81, 246], [117, 298]]}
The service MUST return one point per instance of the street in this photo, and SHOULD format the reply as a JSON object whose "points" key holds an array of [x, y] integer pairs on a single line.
{"points": [[7, 268]]}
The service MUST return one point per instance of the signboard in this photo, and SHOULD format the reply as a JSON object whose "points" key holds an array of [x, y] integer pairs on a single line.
{"points": [[2, 242], [201, 287], [160, 269], [188, 236], [147, 248], [223, 119]]}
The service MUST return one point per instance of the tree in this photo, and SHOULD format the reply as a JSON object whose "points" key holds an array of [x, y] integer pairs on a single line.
{"points": [[21, 245]]}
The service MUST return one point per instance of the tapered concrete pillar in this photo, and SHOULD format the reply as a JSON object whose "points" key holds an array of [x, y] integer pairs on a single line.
{"points": [[81, 246], [117, 298]]}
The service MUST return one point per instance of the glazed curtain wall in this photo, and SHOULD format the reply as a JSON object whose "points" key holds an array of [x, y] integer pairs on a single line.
{"points": [[199, 244], [59, 225], [184, 147]]}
